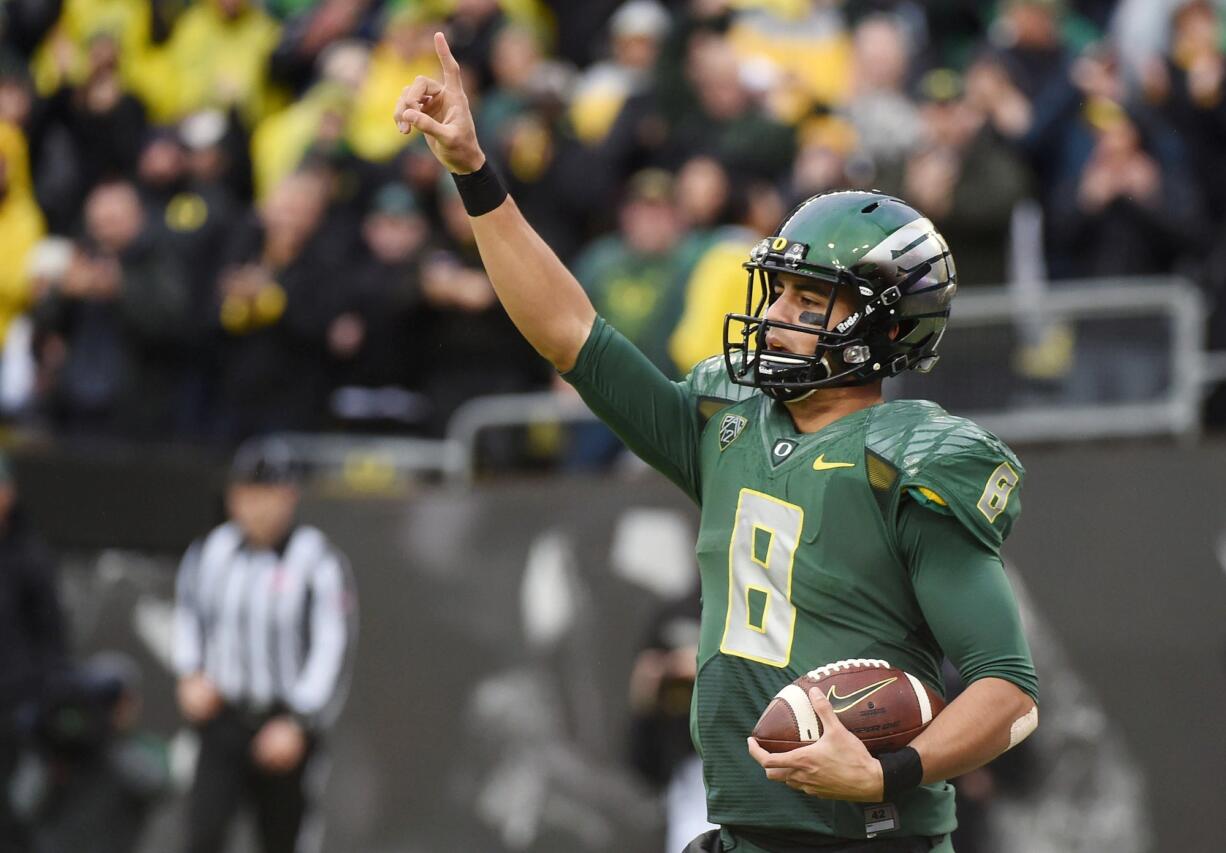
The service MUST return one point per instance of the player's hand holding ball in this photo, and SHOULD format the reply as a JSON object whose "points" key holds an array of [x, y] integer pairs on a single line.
{"points": [[820, 733], [441, 112]]}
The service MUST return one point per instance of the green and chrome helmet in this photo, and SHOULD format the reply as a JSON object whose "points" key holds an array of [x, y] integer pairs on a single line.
{"points": [[883, 254]]}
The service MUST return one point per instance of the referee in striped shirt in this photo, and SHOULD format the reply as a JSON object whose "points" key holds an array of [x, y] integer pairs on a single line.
{"points": [[266, 619]]}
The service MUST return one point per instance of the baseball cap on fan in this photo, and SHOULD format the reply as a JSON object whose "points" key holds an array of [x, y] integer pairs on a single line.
{"points": [[266, 461]]}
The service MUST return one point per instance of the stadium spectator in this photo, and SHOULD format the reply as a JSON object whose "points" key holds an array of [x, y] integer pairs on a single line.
{"points": [[402, 52], [716, 283], [21, 227], [310, 29], [636, 31], [516, 62], [265, 621], [965, 178], [375, 342], [886, 120], [1032, 46], [194, 220], [16, 92], [558, 181], [61, 58], [217, 154], [108, 325], [1189, 85], [581, 26], [1027, 87], [637, 275], [1128, 212], [828, 158], [698, 103], [32, 641], [800, 52], [704, 194], [87, 131], [216, 56], [726, 119], [468, 344], [274, 302], [320, 121], [475, 24], [420, 172]]}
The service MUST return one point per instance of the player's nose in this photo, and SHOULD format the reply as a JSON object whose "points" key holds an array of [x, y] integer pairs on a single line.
{"points": [[781, 311]]}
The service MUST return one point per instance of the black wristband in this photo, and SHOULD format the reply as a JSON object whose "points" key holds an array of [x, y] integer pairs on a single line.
{"points": [[900, 771], [481, 191]]}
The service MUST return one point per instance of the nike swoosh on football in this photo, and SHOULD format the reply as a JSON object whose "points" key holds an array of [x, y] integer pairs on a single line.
{"points": [[855, 697], [820, 464]]}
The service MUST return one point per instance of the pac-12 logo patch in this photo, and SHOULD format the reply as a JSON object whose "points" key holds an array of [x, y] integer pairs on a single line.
{"points": [[730, 429]]}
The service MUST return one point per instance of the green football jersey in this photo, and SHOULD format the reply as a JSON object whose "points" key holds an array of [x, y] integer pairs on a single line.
{"points": [[800, 559]]}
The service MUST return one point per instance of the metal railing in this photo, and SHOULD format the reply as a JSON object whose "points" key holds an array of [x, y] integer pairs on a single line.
{"points": [[1172, 304]]}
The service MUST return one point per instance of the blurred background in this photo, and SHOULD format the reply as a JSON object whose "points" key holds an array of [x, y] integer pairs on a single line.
{"points": [[210, 230]]}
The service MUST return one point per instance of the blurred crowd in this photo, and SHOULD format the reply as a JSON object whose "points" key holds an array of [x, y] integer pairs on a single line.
{"points": [[210, 227]]}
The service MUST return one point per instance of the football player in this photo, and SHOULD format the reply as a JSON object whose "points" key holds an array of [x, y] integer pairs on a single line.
{"points": [[833, 525]]}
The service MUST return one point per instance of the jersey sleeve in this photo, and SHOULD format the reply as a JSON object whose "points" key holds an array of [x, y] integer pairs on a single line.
{"points": [[658, 419], [980, 486], [965, 596]]}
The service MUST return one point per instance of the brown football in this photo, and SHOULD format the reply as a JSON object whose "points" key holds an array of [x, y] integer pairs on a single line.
{"points": [[883, 706]]}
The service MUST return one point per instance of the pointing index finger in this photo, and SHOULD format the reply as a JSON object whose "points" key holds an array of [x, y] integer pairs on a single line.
{"points": [[451, 68]]}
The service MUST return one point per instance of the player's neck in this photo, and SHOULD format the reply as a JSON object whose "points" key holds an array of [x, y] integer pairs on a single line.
{"points": [[827, 405]]}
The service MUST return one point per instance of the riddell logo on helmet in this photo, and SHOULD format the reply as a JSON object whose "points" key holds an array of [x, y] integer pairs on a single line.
{"points": [[847, 322]]}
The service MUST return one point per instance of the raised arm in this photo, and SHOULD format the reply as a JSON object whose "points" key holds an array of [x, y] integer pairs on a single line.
{"points": [[542, 298]]}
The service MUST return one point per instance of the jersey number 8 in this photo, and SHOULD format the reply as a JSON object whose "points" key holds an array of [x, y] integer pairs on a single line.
{"points": [[761, 618], [996, 493]]}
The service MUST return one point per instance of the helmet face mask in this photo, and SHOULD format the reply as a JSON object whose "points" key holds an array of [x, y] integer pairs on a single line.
{"points": [[877, 255], [788, 375]]}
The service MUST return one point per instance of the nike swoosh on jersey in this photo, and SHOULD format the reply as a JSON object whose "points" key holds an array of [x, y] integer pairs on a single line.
{"points": [[820, 464], [844, 703]]}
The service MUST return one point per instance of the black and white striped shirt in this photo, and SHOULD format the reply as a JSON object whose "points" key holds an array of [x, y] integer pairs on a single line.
{"points": [[272, 630]]}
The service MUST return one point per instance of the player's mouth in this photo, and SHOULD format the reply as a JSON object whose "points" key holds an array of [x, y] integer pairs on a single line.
{"points": [[777, 358], [773, 344]]}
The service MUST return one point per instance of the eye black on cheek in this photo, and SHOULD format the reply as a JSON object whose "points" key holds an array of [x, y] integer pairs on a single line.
{"points": [[810, 318]]}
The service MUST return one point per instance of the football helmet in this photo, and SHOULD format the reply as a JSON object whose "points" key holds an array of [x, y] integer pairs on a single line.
{"points": [[890, 261]]}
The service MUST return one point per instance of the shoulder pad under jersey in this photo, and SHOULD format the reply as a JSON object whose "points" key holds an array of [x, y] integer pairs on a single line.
{"points": [[709, 384], [949, 463]]}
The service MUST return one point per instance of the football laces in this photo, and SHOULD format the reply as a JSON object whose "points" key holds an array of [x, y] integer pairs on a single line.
{"points": [[852, 663]]}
